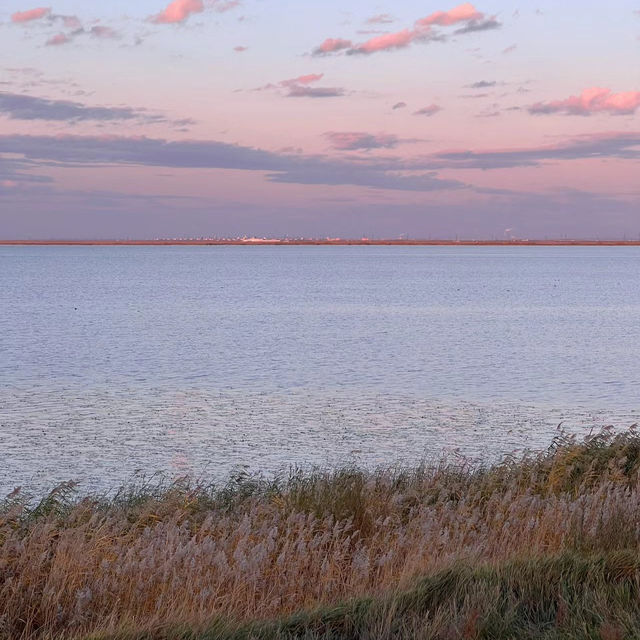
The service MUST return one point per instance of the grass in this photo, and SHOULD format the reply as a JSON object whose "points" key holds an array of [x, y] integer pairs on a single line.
{"points": [[543, 546]]}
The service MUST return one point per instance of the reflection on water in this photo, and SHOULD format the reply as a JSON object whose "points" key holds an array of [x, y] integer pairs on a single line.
{"points": [[198, 360]]}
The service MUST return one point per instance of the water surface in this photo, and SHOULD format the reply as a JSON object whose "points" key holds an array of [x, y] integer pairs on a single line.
{"points": [[201, 359]]}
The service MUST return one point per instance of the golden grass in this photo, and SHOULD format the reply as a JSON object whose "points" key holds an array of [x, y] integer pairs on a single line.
{"points": [[168, 556]]}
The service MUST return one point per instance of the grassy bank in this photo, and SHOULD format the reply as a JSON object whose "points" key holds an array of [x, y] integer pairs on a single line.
{"points": [[547, 545]]}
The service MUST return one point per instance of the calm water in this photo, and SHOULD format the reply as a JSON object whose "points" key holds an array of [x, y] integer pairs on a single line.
{"points": [[203, 359]]}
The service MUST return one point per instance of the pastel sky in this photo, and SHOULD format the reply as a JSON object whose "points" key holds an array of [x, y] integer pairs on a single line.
{"points": [[196, 118]]}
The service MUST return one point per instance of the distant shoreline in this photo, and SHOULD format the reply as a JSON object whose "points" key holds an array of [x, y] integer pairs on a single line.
{"points": [[311, 242]]}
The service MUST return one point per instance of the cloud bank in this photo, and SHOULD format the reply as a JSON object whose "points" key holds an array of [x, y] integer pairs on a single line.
{"points": [[376, 172], [190, 154]]}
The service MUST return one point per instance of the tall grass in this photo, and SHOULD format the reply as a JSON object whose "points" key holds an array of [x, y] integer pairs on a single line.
{"points": [[438, 551]]}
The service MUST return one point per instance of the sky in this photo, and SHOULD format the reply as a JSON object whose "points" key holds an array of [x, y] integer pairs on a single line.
{"points": [[405, 119]]}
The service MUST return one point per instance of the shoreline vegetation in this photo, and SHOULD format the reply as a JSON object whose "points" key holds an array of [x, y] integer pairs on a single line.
{"points": [[545, 545], [328, 242]]}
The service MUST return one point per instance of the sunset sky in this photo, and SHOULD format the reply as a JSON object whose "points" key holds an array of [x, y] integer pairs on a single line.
{"points": [[194, 118]]}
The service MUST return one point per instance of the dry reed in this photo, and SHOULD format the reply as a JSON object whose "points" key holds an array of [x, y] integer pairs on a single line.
{"points": [[159, 558]]}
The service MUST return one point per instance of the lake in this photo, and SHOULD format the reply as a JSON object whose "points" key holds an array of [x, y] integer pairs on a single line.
{"points": [[116, 361]]}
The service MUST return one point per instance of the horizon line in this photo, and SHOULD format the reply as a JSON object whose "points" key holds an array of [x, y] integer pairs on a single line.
{"points": [[319, 242]]}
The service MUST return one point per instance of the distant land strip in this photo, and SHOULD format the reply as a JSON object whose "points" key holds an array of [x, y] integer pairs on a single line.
{"points": [[325, 242]]}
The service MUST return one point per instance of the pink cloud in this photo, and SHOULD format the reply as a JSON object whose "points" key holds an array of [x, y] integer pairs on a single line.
{"points": [[31, 14], [178, 11], [428, 111], [593, 100], [240, 49], [331, 45], [466, 13], [462, 13], [58, 40], [308, 79], [397, 40], [299, 87]]}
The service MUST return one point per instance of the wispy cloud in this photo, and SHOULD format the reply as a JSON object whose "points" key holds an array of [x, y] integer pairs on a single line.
{"points": [[422, 30], [362, 140], [590, 101], [389, 41], [399, 105], [103, 32], [479, 25], [223, 7], [482, 84], [302, 91], [299, 87], [428, 111], [71, 23], [355, 140], [99, 32], [305, 79], [46, 14], [23, 107], [620, 145], [381, 18]]}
